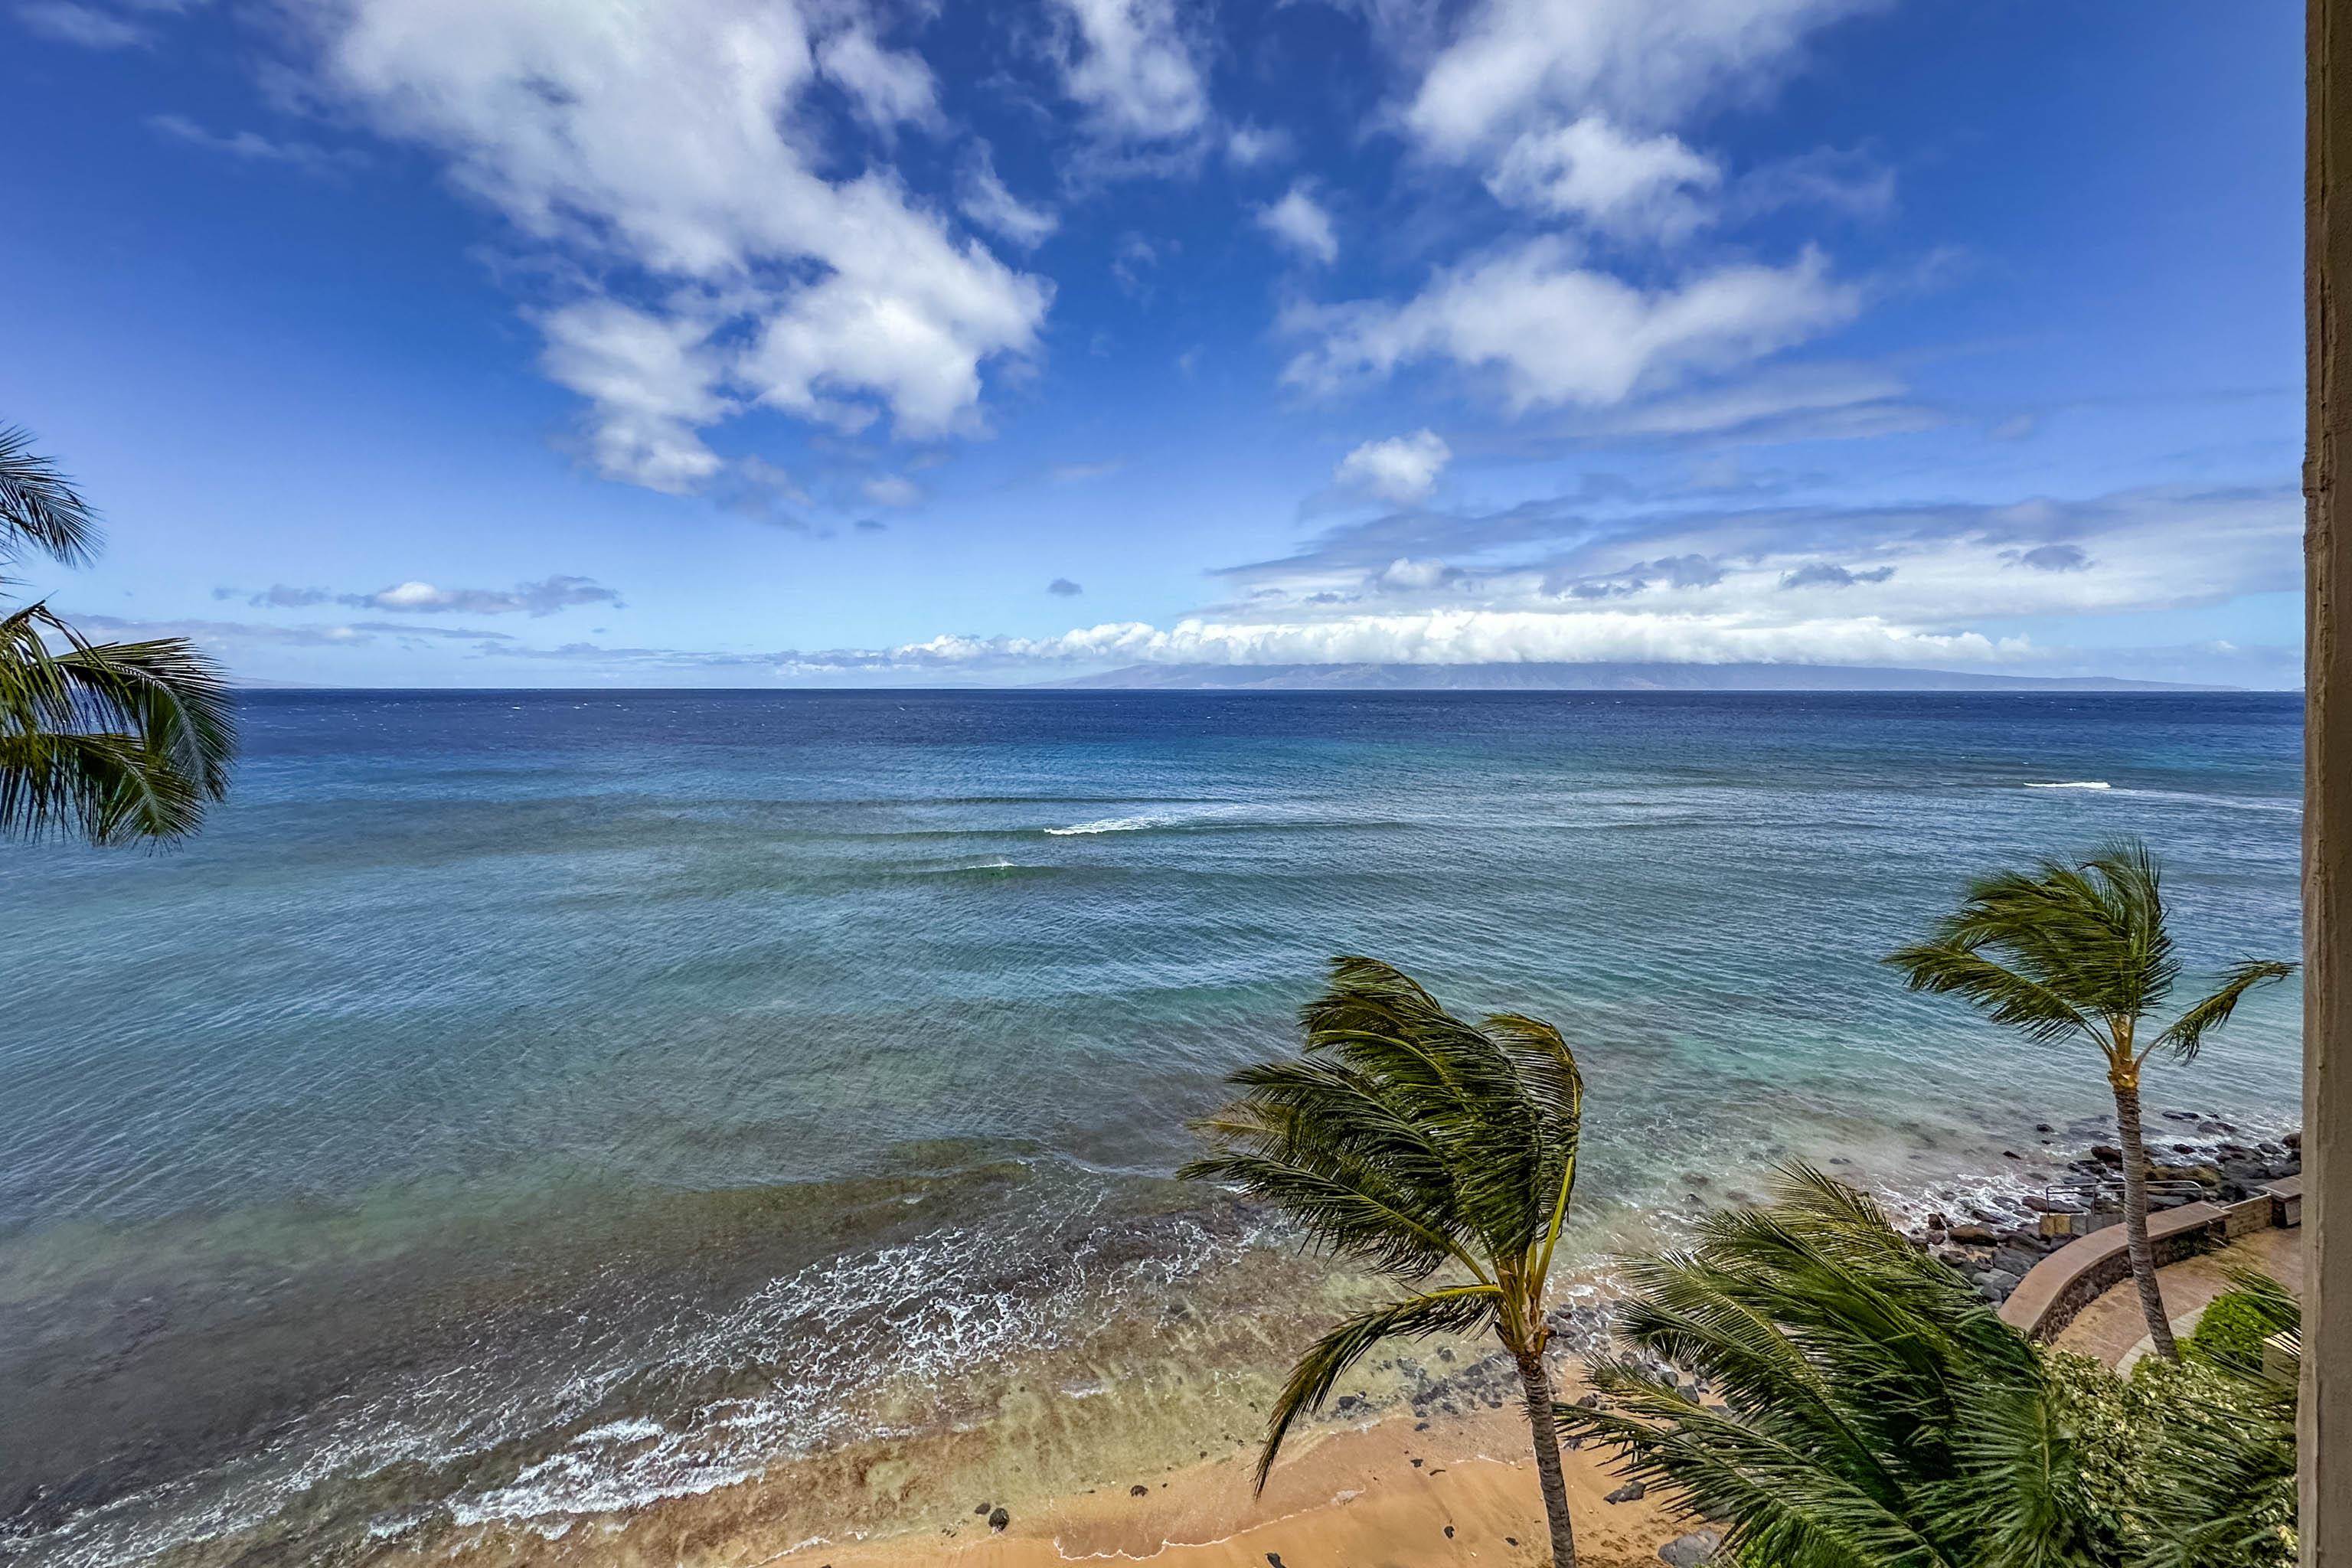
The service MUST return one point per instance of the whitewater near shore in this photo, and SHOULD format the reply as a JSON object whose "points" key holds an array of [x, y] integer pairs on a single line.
{"points": [[1380, 1491]]}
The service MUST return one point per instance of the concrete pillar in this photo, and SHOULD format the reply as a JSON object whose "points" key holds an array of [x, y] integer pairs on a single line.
{"points": [[2326, 1444]]}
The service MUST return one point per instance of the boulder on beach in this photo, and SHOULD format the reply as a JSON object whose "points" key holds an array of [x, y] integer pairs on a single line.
{"points": [[1690, 1551]]}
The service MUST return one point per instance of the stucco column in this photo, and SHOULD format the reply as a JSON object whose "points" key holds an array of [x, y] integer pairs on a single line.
{"points": [[2326, 1396]]}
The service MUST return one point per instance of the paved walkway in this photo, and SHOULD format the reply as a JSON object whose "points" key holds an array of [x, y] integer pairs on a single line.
{"points": [[2111, 1329]]}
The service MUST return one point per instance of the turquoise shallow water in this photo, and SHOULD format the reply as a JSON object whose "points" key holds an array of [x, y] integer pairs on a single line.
{"points": [[509, 1081]]}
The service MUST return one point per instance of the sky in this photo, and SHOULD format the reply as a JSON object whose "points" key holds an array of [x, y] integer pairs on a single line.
{"points": [[757, 343]]}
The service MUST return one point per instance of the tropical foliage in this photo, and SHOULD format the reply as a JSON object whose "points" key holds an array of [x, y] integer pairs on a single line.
{"points": [[1438, 1153], [1866, 1408], [2231, 1331], [2083, 952], [108, 742]]}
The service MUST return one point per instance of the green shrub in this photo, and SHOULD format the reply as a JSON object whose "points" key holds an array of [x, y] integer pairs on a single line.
{"points": [[2230, 1332]]}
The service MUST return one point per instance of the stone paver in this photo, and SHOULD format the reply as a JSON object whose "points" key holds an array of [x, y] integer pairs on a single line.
{"points": [[2111, 1327]]}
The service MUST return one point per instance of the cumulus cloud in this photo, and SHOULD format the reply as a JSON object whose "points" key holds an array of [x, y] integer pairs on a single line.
{"points": [[1642, 62], [1402, 469], [1648, 187], [1128, 63], [653, 378], [888, 87], [1300, 221], [1463, 636], [984, 198], [544, 598], [1555, 332], [676, 140]]}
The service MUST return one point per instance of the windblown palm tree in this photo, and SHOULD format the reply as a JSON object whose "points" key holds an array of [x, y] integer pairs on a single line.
{"points": [[1868, 1409], [1420, 1145], [111, 742], [2083, 951], [1875, 1409]]}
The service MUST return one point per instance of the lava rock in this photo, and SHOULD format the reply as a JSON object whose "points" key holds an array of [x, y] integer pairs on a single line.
{"points": [[999, 1517], [1631, 1492], [1139, 1490], [1690, 1551]]}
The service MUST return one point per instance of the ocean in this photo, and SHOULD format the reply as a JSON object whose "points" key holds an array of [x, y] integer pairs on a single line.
{"points": [[520, 1114]]}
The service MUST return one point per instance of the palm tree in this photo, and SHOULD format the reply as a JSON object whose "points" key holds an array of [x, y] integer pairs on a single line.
{"points": [[1416, 1144], [1869, 1409], [109, 743], [1874, 1410], [2083, 950]]}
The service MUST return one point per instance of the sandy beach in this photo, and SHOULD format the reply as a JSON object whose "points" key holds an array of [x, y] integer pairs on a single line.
{"points": [[1369, 1496], [1393, 1490]]}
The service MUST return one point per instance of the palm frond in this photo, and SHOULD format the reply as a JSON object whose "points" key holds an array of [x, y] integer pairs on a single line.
{"points": [[2188, 1032], [109, 741], [1875, 1410], [39, 505], [1452, 1310], [2064, 947], [2016, 1001]]}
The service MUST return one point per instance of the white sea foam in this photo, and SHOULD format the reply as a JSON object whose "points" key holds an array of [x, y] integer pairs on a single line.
{"points": [[1145, 821], [2073, 783]]}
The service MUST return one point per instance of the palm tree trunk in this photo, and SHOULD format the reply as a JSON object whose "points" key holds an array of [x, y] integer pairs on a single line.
{"points": [[1538, 1383], [2143, 1257]]}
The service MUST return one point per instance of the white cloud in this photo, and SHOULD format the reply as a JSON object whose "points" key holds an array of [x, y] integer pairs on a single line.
{"points": [[1517, 63], [1462, 636], [1129, 62], [252, 147], [889, 87], [652, 380], [68, 22], [982, 198], [891, 489], [673, 138], [1557, 332], [1247, 146], [1403, 469], [541, 598], [1299, 221], [1634, 186]]}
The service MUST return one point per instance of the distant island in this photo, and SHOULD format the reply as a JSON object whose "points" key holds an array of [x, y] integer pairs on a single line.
{"points": [[1584, 677]]}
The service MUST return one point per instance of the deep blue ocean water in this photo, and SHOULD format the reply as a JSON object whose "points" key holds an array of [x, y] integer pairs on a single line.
{"points": [[504, 1071]]}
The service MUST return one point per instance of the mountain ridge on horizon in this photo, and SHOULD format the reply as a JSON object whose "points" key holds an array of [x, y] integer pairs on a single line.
{"points": [[1597, 676]]}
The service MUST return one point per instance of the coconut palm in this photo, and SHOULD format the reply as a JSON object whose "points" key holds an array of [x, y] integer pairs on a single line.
{"points": [[2083, 951], [1866, 1407], [1422, 1146], [108, 742], [1871, 1408]]}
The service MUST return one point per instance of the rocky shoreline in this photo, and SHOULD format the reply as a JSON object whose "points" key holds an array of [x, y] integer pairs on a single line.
{"points": [[2198, 1157]]}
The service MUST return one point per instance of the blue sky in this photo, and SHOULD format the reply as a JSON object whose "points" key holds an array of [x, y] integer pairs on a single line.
{"points": [[503, 343]]}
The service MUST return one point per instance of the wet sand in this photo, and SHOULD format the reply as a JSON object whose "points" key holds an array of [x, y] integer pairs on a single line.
{"points": [[1396, 1491], [1354, 1497]]}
